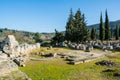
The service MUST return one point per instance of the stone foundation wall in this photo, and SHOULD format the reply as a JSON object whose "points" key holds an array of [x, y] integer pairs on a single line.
{"points": [[12, 48]]}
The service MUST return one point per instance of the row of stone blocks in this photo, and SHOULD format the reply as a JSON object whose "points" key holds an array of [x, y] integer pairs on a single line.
{"points": [[10, 48]]}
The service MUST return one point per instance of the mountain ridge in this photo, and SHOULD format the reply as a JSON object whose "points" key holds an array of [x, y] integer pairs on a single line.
{"points": [[112, 24]]}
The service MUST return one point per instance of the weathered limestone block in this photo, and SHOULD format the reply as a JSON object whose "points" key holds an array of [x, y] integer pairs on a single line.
{"points": [[24, 48], [82, 47], [3, 57], [89, 48], [10, 46], [38, 45], [20, 61]]}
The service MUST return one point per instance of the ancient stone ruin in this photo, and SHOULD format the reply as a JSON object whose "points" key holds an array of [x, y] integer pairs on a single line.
{"points": [[13, 54], [89, 46], [12, 48], [9, 46]]}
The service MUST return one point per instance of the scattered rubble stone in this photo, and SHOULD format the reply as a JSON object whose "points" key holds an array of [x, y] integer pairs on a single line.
{"points": [[117, 74], [105, 63], [117, 48], [109, 70], [49, 55]]}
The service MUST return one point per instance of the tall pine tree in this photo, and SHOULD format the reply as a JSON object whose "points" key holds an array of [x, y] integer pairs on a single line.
{"points": [[76, 30], [85, 32], [102, 30], [107, 27], [69, 27], [81, 32]]}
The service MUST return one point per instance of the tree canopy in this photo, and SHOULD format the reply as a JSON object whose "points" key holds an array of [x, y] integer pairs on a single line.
{"points": [[101, 30], [37, 37], [107, 27], [76, 29], [58, 38]]}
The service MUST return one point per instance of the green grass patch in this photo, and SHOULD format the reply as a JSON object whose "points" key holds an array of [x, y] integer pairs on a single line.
{"points": [[53, 50], [57, 69]]}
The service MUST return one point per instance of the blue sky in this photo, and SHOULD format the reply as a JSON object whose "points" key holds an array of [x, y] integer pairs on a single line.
{"points": [[48, 15]]}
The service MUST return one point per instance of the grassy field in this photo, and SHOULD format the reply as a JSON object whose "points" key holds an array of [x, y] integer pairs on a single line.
{"points": [[46, 50], [57, 69]]}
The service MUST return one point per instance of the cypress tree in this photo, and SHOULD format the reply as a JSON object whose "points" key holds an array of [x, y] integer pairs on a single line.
{"points": [[112, 33], [107, 27], [117, 32], [102, 31], [93, 34]]}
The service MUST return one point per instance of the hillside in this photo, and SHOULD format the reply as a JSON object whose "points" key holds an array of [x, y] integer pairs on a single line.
{"points": [[112, 24], [47, 36], [23, 36]]}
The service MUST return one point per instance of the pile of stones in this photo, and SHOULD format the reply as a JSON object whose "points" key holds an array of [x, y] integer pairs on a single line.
{"points": [[109, 70], [117, 46], [105, 63], [88, 46], [117, 74], [85, 47], [108, 46], [98, 45], [49, 55]]}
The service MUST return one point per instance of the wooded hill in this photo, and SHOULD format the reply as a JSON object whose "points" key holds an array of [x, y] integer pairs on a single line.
{"points": [[112, 25], [25, 36]]}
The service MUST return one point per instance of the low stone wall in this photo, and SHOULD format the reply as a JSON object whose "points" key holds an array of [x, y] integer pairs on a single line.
{"points": [[27, 48], [83, 60], [11, 47]]}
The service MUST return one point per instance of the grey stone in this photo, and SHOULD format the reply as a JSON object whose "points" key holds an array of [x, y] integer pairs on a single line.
{"points": [[88, 49], [118, 48], [10, 45], [106, 63], [82, 47], [20, 61], [117, 74]]}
